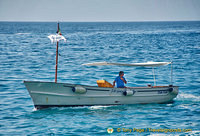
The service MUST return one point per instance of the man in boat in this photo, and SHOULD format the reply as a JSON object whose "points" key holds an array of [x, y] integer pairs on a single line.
{"points": [[120, 80]]}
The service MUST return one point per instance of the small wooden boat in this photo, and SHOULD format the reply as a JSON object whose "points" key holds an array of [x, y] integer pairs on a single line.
{"points": [[53, 94]]}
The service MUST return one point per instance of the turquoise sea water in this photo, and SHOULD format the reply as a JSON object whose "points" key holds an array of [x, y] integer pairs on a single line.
{"points": [[27, 54]]}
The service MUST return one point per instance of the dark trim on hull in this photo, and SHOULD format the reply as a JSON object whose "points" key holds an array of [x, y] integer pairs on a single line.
{"points": [[50, 106]]}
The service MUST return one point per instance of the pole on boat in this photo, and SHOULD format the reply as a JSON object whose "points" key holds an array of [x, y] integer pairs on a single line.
{"points": [[154, 77], [57, 56], [171, 73], [56, 38], [56, 63]]}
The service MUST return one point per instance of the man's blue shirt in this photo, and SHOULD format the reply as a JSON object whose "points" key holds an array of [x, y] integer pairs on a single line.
{"points": [[120, 83]]}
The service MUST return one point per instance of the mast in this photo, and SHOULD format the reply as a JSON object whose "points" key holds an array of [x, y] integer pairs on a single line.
{"points": [[56, 38], [56, 57], [56, 63]]}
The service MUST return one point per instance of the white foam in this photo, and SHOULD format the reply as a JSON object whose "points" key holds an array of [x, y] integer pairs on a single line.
{"points": [[34, 109], [98, 107], [189, 96], [22, 33]]}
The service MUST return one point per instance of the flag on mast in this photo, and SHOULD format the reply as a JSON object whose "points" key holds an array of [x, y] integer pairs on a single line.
{"points": [[57, 37], [58, 31]]}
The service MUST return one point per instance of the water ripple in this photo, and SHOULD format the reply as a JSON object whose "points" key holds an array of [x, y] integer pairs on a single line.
{"points": [[27, 54]]}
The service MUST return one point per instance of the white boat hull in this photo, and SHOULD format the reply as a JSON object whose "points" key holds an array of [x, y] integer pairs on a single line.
{"points": [[50, 94]]}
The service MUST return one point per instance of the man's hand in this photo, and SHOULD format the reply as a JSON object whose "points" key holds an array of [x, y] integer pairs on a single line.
{"points": [[113, 83], [123, 80]]}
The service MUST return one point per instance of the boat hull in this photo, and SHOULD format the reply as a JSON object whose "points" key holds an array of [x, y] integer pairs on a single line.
{"points": [[50, 94]]}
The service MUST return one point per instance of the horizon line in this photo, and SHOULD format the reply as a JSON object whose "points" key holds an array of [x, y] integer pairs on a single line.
{"points": [[104, 21]]}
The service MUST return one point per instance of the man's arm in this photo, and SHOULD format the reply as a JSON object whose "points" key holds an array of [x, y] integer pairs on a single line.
{"points": [[123, 79], [113, 83]]}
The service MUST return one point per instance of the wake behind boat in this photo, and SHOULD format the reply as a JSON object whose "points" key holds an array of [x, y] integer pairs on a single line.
{"points": [[53, 94]]}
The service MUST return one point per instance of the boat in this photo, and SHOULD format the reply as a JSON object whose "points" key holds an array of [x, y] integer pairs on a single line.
{"points": [[54, 94]]}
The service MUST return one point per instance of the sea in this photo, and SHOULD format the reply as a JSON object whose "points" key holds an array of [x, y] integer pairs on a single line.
{"points": [[26, 54]]}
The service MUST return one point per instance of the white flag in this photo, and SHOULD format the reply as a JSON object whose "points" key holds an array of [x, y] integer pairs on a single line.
{"points": [[56, 38]]}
